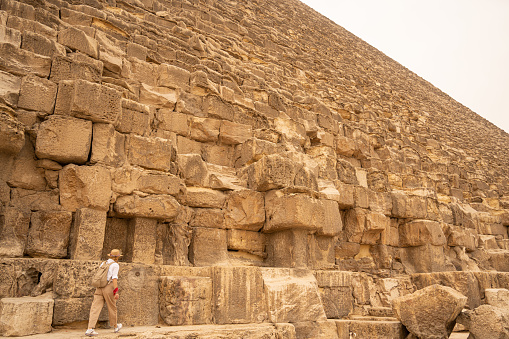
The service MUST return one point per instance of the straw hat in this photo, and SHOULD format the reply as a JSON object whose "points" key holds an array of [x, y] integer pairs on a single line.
{"points": [[115, 253]]}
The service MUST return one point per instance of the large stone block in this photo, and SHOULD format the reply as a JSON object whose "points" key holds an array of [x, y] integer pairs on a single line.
{"points": [[87, 235], [134, 118], [70, 310], [108, 146], [193, 169], [9, 87], [208, 247], [173, 77], [25, 171], [486, 321], [498, 297], [232, 133], [430, 312], [185, 300], [49, 234], [421, 232], [151, 153], [246, 241], [85, 186], [380, 329], [336, 293], [363, 226], [42, 45], [292, 295], [156, 182], [23, 62], [425, 258], [288, 248], [270, 172], [245, 210], [160, 97], [152, 206], [25, 316], [295, 210], [64, 139], [238, 295], [141, 240], [14, 225], [76, 39], [316, 329], [253, 150], [321, 251], [75, 67], [12, 134], [408, 206], [203, 197]]}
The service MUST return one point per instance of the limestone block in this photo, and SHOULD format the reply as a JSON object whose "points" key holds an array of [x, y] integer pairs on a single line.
{"points": [[22, 62], [25, 173], [160, 97], [49, 234], [497, 297], [245, 210], [176, 247], [10, 35], [70, 310], [150, 152], [408, 206], [124, 180], [232, 133], [40, 44], [25, 316], [238, 295], [203, 197], [204, 129], [111, 52], [201, 85], [115, 236], [221, 155], [12, 134], [316, 329], [421, 232], [364, 227], [14, 225], [76, 67], [321, 251], [361, 196], [64, 139], [499, 259], [152, 206], [346, 172], [487, 242], [292, 295], [346, 195], [382, 329], [207, 217], [85, 186], [208, 246], [193, 169], [35, 200], [253, 150], [422, 259], [141, 240], [76, 39], [37, 94], [134, 118], [380, 202], [487, 321], [224, 178], [87, 235], [430, 312], [173, 77], [288, 248], [169, 120], [344, 250], [458, 236], [108, 146], [9, 88], [185, 300], [246, 241], [296, 211], [336, 293], [156, 182]]}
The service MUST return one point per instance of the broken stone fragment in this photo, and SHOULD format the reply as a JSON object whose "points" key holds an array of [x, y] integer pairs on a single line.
{"points": [[430, 312]]}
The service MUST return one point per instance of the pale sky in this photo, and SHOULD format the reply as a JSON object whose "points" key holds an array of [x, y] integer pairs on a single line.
{"points": [[460, 46]]}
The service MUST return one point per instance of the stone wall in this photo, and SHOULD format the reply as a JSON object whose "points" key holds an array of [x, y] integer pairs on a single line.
{"points": [[233, 134]]}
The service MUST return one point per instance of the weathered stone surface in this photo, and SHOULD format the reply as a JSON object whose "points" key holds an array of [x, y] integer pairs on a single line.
{"points": [[185, 300], [421, 232], [12, 134], [22, 62], [316, 329], [151, 153], [360, 328], [288, 248], [25, 173], [64, 139], [193, 168], [425, 258], [9, 87], [76, 39], [152, 206], [336, 293], [75, 67], [87, 235], [362, 226], [430, 312], [292, 295], [497, 297], [203, 197], [233, 133], [408, 206], [208, 246], [246, 241], [270, 172], [253, 150], [486, 321], [134, 118], [173, 77], [85, 186], [141, 240], [37, 94], [245, 210], [161, 97], [238, 295], [49, 234], [14, 225], [42, 45], [25, 316], [70, 310], [108, 146], [156, 182]]}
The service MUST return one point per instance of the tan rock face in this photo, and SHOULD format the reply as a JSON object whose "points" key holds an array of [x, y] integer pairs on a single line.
{"points": [[87, 235], [25, 316], [151, 153], [245, 210], [152, 206], [487, 321], [14, 226], [49, 234], [37, 94], [430, 312], [12, 136]]}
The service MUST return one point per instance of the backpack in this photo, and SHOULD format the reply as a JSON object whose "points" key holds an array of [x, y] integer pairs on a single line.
{"points": [[100, 278]]}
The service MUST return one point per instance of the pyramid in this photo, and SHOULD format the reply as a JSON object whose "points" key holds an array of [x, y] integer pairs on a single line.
{"points": [[263, 171]]}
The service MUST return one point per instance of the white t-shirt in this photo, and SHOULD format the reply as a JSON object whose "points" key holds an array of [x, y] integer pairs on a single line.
{"points": [[112, 270]]}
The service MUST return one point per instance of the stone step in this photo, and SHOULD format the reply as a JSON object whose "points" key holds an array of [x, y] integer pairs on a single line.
{"points": [[368, 328], [381, 312]]}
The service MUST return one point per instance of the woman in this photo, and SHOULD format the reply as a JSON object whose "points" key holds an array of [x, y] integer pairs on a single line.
{"points": [[109, 293]]}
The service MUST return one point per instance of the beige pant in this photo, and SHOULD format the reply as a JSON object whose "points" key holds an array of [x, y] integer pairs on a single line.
{"points": [[101, 295]]}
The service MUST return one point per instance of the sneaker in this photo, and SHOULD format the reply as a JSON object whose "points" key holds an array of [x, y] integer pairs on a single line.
{"points": [[119, 326], [91, 333]]}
